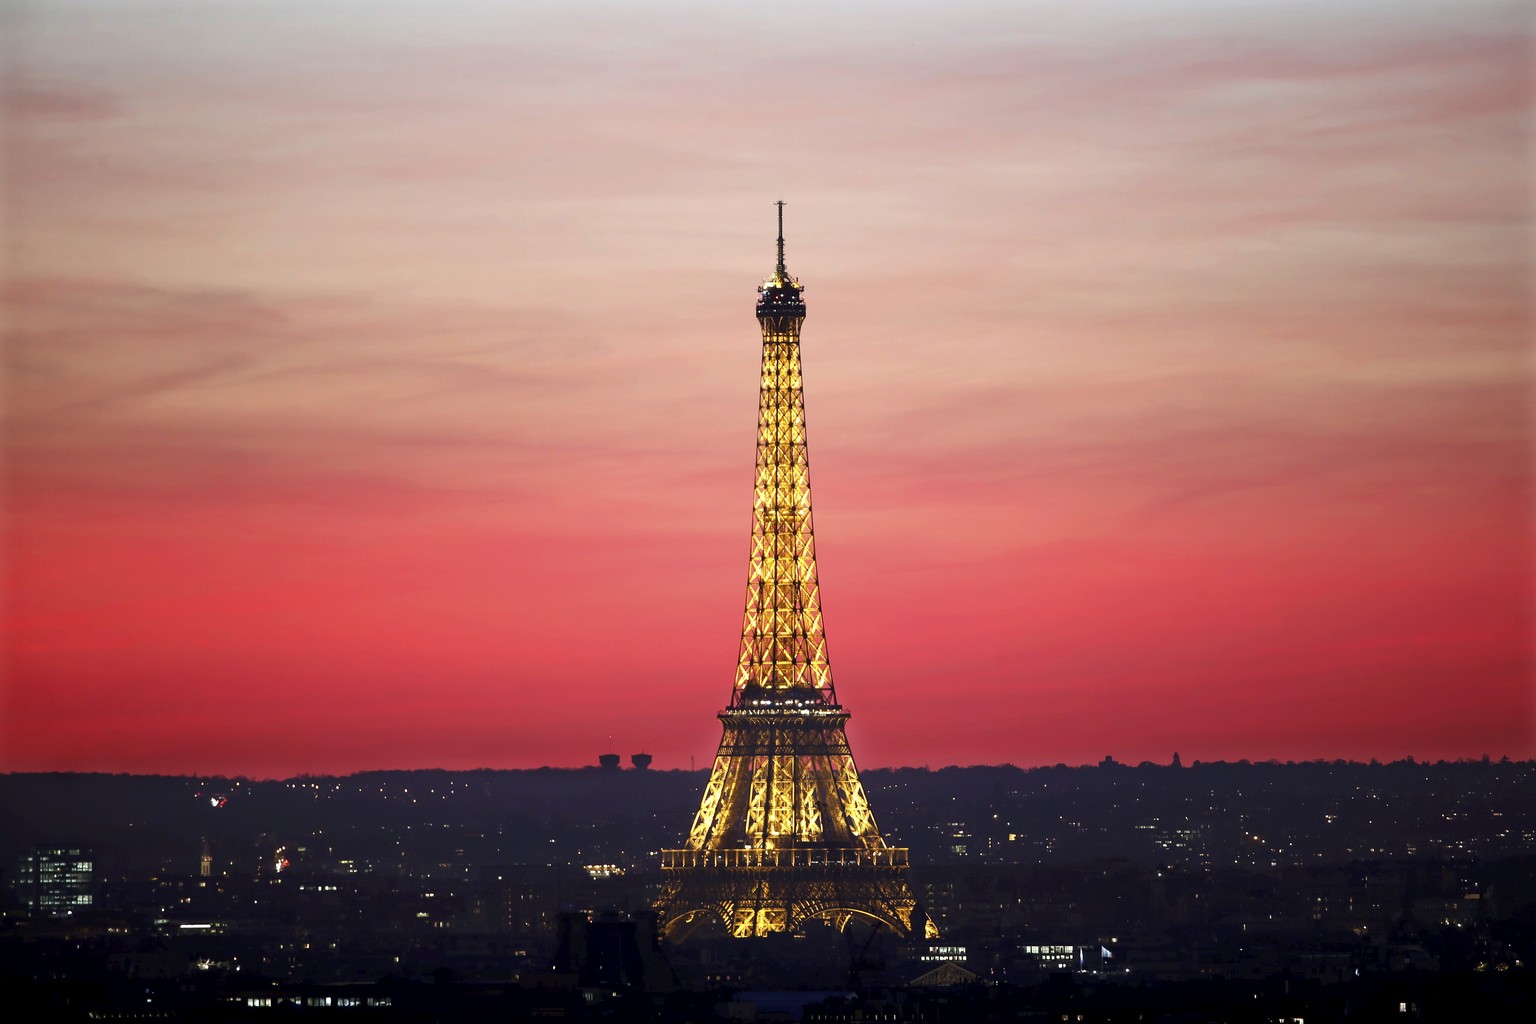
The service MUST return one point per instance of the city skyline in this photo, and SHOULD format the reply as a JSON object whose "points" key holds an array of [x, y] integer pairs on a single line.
{"points": [[381, 381]]}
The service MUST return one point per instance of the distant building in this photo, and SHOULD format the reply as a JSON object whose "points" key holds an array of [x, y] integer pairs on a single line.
{"points": [[945, 975], [613, 952], [57, 881], [937, 953]]}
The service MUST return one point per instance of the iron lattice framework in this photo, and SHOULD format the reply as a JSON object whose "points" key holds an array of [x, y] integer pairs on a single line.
{"points": [[784, 833]]}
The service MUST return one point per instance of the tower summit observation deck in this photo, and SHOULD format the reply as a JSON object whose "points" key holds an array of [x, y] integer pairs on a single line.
{"points": [[784, 833]]}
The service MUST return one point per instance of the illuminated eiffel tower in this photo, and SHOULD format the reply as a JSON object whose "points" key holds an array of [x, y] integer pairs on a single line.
{"points": [[784, 833]]}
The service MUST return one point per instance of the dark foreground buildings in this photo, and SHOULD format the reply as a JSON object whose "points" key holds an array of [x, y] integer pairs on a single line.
{"points": [[1319, 888]]}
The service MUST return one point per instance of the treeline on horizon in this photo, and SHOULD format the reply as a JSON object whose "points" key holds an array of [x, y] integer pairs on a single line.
{"points": [[1108, 763]]}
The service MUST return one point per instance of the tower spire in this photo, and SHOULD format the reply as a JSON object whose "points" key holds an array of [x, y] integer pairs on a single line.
{"points": [[781, 297], [779, 269]]}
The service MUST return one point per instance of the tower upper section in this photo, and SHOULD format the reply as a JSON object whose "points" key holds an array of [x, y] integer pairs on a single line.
{"points": [[783, 646], [781, 299]]}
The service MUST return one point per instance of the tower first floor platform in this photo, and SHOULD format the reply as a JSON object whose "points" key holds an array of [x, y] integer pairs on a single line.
{"points": [[754, 892]]}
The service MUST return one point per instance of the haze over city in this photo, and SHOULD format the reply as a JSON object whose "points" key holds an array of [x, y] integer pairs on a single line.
{"points": [[381, 378]]}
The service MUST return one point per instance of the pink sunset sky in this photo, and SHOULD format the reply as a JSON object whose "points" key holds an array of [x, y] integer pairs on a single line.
{"points": [[381, 377]]}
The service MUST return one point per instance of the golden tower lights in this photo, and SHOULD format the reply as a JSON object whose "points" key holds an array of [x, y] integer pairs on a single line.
{"points": [[784, 833]]}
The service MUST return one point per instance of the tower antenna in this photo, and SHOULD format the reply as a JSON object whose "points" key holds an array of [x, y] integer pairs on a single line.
{"points": [[781, 270]]}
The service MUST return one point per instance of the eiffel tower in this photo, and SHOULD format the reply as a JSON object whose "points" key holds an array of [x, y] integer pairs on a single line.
{"points": [[784, 833]]}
